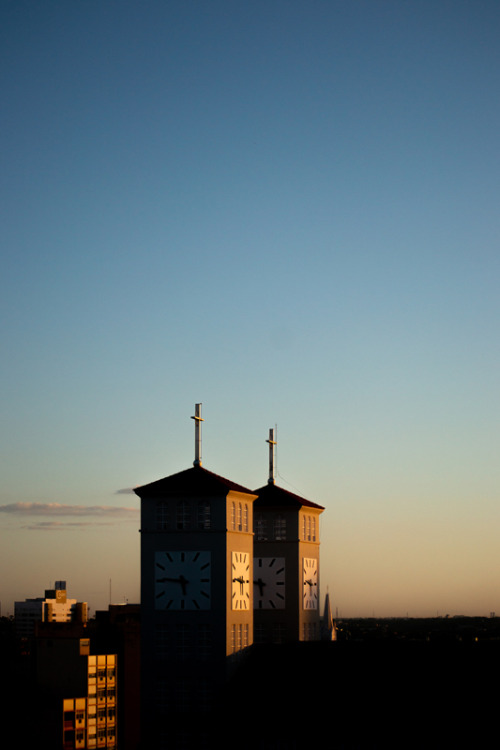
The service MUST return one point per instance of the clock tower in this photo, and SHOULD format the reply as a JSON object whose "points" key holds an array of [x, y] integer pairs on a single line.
{"points": [[286, 563], [196, 597]]}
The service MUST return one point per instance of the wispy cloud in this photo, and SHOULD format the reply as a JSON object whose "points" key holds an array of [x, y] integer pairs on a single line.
{"points": [[58, 509], [112, 513], [63, 526]]}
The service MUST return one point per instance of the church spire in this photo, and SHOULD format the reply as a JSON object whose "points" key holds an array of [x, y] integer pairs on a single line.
{"points": [[328, 628], [197, 434], [272, 443]]}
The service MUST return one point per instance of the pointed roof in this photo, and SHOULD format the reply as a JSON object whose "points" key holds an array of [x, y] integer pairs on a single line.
{"points": [[327, 615], [328, 627], [271, 496], [194, 481]]}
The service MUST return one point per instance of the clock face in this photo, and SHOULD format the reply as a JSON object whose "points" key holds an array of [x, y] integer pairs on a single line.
{"points": [[182, 580], [269, 582], [240, 580], [309, 583]]}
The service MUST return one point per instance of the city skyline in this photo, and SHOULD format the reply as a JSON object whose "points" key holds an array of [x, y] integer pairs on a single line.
{"points": [[287, 212]]}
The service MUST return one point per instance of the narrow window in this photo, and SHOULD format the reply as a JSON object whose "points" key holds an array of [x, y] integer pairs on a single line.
{"points": [[261, 528], [183, 515], [279, 528], [162, 516], [204, 515]]}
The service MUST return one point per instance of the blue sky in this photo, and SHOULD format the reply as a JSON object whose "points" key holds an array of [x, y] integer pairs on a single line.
{"points": [[289, 212]]}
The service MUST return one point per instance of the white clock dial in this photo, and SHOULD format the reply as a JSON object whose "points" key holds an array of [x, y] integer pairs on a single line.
{"points": [[269, 583], [182, 580], [309, 583], [240, 580]]}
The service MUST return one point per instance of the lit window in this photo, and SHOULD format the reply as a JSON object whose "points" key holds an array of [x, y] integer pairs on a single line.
{"points": [[233, 638]]}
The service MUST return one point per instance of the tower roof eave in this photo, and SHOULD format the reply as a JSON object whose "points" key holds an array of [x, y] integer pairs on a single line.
{"points": [[270, 495], [193, 481]]}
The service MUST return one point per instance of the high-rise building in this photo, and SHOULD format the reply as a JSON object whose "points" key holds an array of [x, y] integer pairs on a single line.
{"points": [[53, 607], [78, 689]]}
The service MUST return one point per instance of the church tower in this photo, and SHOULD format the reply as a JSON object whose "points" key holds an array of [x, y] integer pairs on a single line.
{"points": [[286, 563], [196, 597]]}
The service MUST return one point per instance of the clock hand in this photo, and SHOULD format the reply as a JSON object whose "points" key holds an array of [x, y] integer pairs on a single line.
{"points": [[181, 580], [240, 581], [260, 583]]}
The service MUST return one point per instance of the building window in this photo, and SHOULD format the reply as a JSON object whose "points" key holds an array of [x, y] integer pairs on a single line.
{"points": [[204, 519], [183, 515], [233, 638], [240, 518], [260, 632], [204, 696], [261, 528], [313, 529], [183, 641], [304, 528], [162, 516], [279, 528], [162, 639], [309, 632], [182, 695], [279, 632], [233, 517], [245, 517], [163, 695], [205, 642]]}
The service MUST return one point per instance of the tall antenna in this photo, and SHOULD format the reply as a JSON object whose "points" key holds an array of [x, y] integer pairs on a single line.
{"points": [[272, 443], [197, 434]]}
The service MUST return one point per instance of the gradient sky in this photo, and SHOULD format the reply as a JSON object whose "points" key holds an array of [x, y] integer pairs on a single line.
{"points": [[288, 211]]}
